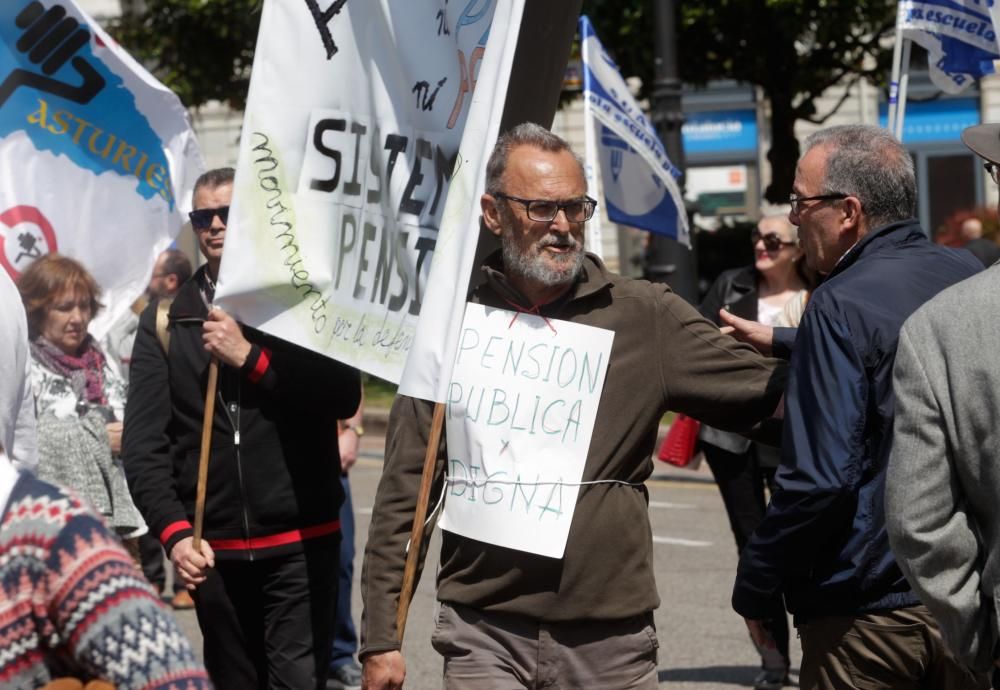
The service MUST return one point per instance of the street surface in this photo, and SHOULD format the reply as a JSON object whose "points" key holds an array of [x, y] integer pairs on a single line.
{"points": [[703, 643]]}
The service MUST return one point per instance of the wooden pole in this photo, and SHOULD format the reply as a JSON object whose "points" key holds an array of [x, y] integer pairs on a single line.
{"points": [[206, 447], [419, 517]]}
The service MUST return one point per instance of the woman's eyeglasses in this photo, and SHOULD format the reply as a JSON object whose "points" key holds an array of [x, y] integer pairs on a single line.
{"points": [[993, 171], [772, 240]]}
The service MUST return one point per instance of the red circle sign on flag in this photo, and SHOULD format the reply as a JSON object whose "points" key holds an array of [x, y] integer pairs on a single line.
{"points": [[25, 235]]}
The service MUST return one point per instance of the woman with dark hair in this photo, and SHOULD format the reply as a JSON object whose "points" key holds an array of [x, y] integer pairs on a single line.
{"points": [[772, 291], [79, 397]]}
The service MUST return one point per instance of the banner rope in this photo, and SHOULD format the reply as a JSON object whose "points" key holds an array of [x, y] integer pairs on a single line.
{"points": [[448, 479]]}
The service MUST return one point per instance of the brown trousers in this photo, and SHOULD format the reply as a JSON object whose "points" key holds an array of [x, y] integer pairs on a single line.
{"points": [[489, 651], [898, 650]]}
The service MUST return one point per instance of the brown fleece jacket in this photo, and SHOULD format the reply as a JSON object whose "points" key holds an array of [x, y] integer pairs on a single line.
{"points": [[665, 357]]}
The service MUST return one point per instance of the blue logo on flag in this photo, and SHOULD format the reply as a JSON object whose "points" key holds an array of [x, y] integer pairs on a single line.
{"points": [[67, 101]]}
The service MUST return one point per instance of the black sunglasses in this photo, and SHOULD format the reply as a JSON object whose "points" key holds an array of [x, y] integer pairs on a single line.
{"points": [[772, 240], [202, 218]]}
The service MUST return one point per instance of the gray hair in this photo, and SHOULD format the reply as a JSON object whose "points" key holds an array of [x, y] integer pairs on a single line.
{"points": [[780, 213], [525, 134], [867, 162]]}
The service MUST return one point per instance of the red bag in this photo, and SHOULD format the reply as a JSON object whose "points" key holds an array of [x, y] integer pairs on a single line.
{"points": [[679, 443]]}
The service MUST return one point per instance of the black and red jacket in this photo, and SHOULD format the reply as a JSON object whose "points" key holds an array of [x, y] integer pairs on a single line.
{"points": [[274, 470]]}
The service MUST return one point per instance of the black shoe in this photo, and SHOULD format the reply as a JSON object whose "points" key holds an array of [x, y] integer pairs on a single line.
{"points": [[346, 677]]}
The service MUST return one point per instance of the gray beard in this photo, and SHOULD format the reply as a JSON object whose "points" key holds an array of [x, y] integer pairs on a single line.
{"points": [[530, 265]]}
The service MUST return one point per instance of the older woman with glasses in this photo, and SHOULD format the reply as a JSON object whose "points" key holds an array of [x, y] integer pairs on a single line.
{"points": [[79, 397], [772, 291]]}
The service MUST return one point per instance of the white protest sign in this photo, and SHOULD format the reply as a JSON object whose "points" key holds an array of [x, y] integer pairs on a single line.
{"points": [[357, 168], [97, 158], [520, 412]]}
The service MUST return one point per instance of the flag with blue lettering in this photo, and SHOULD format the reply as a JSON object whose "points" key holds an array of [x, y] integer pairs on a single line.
{"points": [[959, 37], [639, 181], [94, 152]]}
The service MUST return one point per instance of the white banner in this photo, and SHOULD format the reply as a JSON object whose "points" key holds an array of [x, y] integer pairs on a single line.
{"points": [[97, 158], [357, 168], [520, 413]]}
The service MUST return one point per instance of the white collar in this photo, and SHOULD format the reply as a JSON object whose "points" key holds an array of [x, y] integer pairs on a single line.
{"points": [[846, 253]]}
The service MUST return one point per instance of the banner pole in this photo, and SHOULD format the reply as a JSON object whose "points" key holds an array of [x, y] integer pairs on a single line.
{"points": [[904, 82], [897, 51], [594, 231], [206, 446], [419, 517]]}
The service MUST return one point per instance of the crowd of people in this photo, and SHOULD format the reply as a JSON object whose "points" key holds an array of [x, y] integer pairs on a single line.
{"points": [[870, 517]]}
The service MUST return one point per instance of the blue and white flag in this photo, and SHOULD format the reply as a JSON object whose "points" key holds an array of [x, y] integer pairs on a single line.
{"points": [[97, 158], [640, 183], [959, 37]]}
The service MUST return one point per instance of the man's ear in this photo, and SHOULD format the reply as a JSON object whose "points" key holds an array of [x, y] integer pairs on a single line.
{"points": [[851, 207], [491, 213], [171, 281]]}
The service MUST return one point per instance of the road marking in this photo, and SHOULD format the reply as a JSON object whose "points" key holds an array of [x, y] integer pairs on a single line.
{"points": [[680, 542], [668, 504]]}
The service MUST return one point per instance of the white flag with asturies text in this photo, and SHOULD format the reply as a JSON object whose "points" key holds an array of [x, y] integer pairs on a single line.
{"points": [[97, 158]]}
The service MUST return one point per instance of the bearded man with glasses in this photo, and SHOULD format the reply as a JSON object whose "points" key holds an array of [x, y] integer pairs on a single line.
{"points": [[264, 580], [822, 546], [510, 618]]}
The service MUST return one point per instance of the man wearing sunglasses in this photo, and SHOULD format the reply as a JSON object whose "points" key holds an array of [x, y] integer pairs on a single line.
{"points": [[510, 618], [264, 580], [822, 545], [943, 486]]}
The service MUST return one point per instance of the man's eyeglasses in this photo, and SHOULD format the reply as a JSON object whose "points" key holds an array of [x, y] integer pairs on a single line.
{"points": [[994, 170], [545, 211], [795, 200], [772, 240], [202, 218]]}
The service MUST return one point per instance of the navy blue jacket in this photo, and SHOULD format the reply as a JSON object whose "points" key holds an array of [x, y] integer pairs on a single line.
{"points": [[823, 542]]}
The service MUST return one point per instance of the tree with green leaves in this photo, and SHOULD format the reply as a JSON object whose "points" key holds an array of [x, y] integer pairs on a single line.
{"points": [[201, 49], [794, 50]]}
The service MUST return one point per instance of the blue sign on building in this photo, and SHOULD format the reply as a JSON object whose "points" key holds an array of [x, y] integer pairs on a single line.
{"points": [[941, 120], [720, 131]]}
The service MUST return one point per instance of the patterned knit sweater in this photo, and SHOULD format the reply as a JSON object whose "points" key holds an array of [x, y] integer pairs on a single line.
{"points": [[72, 603]]}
